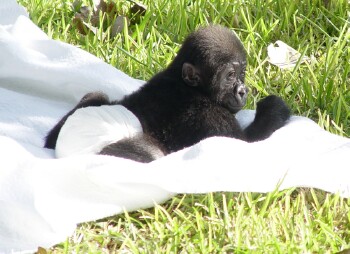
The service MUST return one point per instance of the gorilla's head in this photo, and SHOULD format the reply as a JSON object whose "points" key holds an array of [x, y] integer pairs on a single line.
{"points": [[213, 60]]}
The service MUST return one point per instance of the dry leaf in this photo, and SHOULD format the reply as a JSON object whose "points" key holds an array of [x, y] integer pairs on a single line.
{"points": [[87, 20], [78, 21], [118, 25]]}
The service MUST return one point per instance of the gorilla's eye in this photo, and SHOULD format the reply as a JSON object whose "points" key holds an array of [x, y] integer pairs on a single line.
{"points": [[231, 75]]}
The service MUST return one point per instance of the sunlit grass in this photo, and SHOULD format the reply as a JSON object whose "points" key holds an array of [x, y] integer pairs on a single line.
{"points": [[291, 221], [280, 222]]}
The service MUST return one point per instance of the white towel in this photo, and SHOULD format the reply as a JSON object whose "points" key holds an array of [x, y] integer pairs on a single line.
{"points": [[43, 198]]}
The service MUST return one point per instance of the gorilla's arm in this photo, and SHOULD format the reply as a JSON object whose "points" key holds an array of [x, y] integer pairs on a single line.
{"points": [[206, 121], [91, 99], [272, 113]]}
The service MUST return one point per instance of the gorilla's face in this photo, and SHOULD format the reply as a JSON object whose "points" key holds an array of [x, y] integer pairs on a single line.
{"points": [[228, 88], [223, 83]]}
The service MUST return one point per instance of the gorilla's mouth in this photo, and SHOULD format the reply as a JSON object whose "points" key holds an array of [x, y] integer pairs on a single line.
{"points": [[232, 103]]}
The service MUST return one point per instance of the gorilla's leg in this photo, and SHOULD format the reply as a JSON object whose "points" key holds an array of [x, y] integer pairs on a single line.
{"points": [[141, 148], [271, 114], [94, 99]]}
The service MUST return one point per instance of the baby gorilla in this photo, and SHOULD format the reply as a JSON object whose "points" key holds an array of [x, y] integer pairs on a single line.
{"points": [[194, 98]]}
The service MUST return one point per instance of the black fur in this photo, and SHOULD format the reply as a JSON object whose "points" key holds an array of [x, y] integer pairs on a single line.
{"points": [[196, 97], [141, 148]]}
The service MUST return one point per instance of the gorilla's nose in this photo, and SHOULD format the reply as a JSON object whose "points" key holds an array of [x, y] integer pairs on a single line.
{"points": [[241, 92]]}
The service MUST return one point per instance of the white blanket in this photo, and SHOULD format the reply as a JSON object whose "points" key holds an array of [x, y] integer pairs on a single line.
{"points": [[43, 198]]}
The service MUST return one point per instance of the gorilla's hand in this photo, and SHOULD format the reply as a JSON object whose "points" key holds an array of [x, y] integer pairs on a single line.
{"points": [[271, 114], [273, 107]]}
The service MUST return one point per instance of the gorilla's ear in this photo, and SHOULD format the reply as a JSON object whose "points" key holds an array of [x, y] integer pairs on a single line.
{"points": [[190, 74]]}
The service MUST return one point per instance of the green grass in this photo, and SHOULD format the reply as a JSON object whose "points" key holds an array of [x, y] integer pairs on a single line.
{"points": [[291, 221]]}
